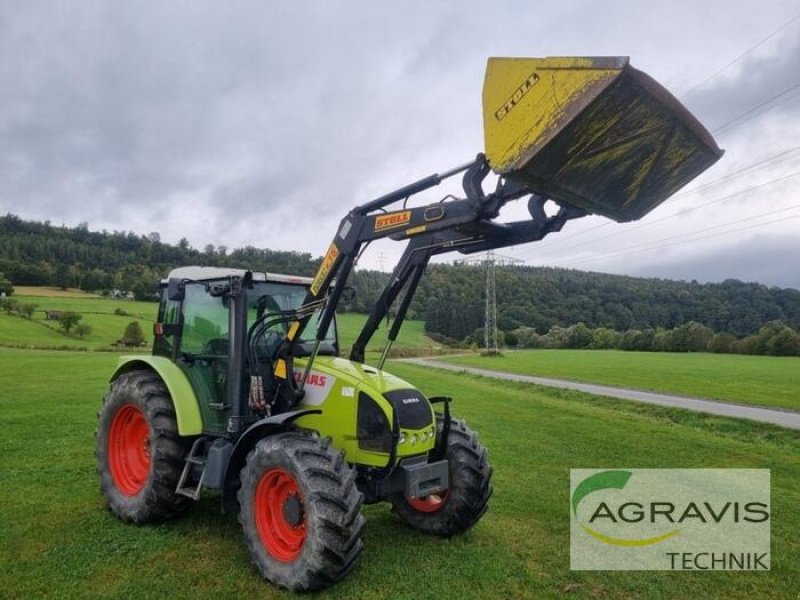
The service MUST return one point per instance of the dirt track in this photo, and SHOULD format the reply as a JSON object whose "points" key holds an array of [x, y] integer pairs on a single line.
{"points": [[784, 418]]}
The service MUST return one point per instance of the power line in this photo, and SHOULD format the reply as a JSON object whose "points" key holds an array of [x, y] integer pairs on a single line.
{"points": [[490, 330], [783, 155], [780, 156], [738, 120], [690, 241], [740, 57], [647, 247], [680, 213]]}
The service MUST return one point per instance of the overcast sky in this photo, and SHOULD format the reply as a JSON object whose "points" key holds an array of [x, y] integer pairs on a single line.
{"points": [[262, 123]]}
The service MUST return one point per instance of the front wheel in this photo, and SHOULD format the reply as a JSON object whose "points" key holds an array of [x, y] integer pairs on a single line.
{"points": [[140, 454], [459, 507], [300, 511]]}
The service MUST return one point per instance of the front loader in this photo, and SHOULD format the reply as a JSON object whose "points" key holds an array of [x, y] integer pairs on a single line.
{"points": [[246, 391]]}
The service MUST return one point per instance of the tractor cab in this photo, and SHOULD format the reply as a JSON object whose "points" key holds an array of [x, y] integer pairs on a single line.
{"points": [[207, 314]]}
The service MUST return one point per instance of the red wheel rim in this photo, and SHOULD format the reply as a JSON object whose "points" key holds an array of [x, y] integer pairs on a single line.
{"points": [[129, 450], [279, 514], [429, 504]]}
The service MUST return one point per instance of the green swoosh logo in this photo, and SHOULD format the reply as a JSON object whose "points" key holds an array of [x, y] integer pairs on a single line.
{"points": [[610, 480], [599, 481]]}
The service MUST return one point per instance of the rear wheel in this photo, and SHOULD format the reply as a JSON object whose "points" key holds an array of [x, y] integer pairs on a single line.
{"points": [[300, 511], [139, 452], [459, 507]]}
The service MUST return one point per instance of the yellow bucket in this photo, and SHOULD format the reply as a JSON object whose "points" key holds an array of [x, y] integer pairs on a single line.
{"points": [[591, 132]]}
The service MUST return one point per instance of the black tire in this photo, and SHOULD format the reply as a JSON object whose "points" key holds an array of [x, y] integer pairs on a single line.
{"points": [[139, 486], [467, 498], [315, 537]]}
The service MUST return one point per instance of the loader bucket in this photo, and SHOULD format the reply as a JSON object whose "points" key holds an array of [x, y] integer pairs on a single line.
{"points": [[591, 132]]}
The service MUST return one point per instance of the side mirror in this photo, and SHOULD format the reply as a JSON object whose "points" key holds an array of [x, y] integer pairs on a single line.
{"points": [[176, 289]]}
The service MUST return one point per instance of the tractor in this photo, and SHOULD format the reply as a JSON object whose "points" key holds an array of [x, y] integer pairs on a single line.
{"points": [[246, 390]]}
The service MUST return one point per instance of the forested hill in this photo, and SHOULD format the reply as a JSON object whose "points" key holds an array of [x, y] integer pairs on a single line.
{"points": [[450, 298], [33, 253]]}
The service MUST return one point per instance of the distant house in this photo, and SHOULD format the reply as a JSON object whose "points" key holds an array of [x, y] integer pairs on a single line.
{"points": [[53, 315], [122, 294]]}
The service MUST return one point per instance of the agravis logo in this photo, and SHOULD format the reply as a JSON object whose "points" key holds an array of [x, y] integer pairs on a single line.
{"points": [[675, 519]]}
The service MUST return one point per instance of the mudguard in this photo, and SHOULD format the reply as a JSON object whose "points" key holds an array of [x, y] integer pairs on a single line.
{"points": [[243, 445], [183, 397]]}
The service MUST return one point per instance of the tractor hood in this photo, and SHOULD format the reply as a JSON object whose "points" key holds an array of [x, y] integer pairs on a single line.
{"points": [[338, 374]]}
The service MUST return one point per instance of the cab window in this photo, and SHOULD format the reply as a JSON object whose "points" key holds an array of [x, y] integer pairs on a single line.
{"points": [[205, 322]]}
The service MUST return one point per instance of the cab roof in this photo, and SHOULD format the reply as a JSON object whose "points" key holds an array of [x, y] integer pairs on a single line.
{"points": [[212, 273]]}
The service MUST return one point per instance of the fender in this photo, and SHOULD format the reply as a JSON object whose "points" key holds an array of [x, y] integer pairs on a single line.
{"points": [[183, 397], [246, 441]]}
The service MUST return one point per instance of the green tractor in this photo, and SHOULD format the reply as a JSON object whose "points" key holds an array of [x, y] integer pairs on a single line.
{"points": [[245, 391]]}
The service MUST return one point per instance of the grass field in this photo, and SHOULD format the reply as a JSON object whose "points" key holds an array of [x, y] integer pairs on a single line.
{"points": [[51, 292], [758, 380], [411, 337], [59, 541], [107, 327]]}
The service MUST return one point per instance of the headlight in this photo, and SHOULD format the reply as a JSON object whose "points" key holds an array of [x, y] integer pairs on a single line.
{"points": [[373, 429]]}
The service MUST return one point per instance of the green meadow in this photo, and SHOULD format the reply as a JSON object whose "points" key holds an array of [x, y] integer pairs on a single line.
{"points": [[60, 541]]}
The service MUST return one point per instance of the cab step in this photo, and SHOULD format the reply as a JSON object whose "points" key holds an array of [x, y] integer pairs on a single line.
{"points": [[192, 461]]}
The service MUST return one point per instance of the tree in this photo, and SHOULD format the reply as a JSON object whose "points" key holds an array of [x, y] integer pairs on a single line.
{"points": [[133, 335], [578, 336], [785, 343], [604, 338], [68, 320], [63, 277], [82, 330], [6, 288], [691, 337], [512, 341], [26, 310], [98, 279], [9, 304], [722, 343]]}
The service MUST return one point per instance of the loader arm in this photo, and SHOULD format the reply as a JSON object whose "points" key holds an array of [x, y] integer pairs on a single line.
{"points": [[422, 248], [465, 224], [451, 223]]}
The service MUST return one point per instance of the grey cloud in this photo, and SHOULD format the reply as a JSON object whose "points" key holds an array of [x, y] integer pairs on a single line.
{"points": [[757, 79], [771, 260]]}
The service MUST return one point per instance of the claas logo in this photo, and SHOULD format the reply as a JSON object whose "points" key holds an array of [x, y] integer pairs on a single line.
{"points": [[313, 379], [392, 220]]}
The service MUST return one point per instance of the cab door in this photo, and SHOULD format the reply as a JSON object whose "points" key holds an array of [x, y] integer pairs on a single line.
{"points": [[202, 353]]}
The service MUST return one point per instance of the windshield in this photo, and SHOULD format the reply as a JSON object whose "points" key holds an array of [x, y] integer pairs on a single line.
{"points": [[271, 297]]}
